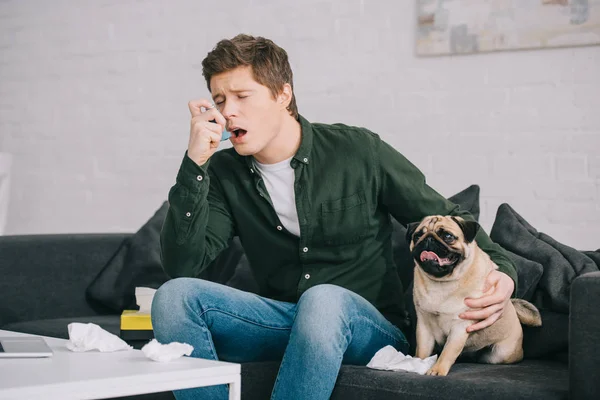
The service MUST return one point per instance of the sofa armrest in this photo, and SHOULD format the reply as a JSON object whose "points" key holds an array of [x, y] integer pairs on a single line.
{"points": [[584, 331], [45, 276]]}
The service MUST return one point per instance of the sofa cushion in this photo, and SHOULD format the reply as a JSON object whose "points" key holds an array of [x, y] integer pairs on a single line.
{"points": [[531, 379], [549, 339], [45, 276]]}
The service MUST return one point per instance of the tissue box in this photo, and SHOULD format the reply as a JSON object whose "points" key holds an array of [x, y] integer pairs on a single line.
{"points": [[136, 325]]}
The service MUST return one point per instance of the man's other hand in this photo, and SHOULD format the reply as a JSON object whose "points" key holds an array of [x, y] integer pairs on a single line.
{"points": [[489, 307]]}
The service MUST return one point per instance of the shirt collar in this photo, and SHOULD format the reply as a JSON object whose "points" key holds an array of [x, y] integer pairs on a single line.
{"points": [[303, 153]]}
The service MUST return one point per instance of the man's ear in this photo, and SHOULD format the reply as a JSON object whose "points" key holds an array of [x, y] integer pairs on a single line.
{"points": [[285, 95], [469, 228], [410, 230]]}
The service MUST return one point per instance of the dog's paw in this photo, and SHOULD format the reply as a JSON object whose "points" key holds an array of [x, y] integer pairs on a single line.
{"points": [[438, 370]]}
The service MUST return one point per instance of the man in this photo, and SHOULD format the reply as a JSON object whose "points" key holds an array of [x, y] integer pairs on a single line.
{"points": [[311, 204]]}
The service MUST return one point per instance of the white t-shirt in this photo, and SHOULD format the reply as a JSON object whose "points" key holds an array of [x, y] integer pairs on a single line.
{"points": [[279, 181]]}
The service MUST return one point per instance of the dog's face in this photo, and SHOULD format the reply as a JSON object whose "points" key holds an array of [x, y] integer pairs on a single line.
{"points": [[440, 243]]}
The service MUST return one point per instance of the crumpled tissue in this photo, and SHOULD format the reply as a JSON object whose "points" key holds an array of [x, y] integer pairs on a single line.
{"points": [[86, 337], [390, 359], [166, 352]]}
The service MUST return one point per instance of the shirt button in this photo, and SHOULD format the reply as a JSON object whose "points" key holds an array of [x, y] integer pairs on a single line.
{"points": [[305, 249], [307, 276], [279, 227], [305, 160], [199, 177], [188, 214]]}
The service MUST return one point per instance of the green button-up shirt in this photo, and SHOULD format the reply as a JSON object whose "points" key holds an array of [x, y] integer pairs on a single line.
{"points": [[347, 183]]}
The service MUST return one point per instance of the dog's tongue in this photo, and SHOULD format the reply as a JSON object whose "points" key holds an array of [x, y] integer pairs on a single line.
{"points": [[430, 255]]}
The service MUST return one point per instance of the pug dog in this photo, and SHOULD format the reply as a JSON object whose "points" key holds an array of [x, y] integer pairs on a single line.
{"points": [[449, 267]]}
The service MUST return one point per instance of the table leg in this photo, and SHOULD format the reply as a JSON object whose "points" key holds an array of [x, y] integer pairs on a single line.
{"points": [[235, 389]]}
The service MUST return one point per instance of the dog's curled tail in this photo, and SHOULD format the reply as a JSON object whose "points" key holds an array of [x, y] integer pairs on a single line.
{"points": [[528, 313]]}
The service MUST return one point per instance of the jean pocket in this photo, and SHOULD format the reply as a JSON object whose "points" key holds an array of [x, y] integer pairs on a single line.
{"points": [[344, 220]]}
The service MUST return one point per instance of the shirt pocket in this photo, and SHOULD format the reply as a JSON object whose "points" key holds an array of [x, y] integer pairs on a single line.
{"points": [[345, 220]]}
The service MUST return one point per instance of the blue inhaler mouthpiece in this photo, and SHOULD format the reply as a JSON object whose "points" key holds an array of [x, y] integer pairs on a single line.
{"points": [[226, 135]]}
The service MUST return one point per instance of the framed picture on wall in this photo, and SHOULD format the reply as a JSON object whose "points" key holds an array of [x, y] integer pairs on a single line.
{"points": [[472, 26]]}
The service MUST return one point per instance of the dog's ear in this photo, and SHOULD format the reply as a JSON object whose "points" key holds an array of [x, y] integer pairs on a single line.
{"points": [[410, 229], [469, 228]]}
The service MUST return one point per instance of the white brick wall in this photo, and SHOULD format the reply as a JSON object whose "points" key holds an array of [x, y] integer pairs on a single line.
{"points": [[93, 106]]}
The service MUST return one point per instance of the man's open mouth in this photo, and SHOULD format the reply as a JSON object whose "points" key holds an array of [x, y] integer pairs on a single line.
{"points": [[238, 132]]}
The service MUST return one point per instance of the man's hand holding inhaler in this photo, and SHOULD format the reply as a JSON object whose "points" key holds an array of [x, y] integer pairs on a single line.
{"points": [[206, 130]]}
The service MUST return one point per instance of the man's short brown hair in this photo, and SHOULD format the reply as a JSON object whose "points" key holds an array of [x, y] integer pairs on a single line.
{"points": [[269, 62]]}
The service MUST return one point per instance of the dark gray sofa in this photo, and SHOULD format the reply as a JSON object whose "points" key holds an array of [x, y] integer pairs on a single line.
{"points": [[43, 288]]}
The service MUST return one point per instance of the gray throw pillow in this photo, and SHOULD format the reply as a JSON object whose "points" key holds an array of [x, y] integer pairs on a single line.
{"points": [[137, 262], [561, 263], [594, 255], [550, 292], [529, 273]]}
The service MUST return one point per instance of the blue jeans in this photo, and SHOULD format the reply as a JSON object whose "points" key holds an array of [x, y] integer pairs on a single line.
{"points": [[327, 327]]}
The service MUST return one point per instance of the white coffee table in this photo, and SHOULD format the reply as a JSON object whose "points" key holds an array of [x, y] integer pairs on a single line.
{"points": [[95, 375]]}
